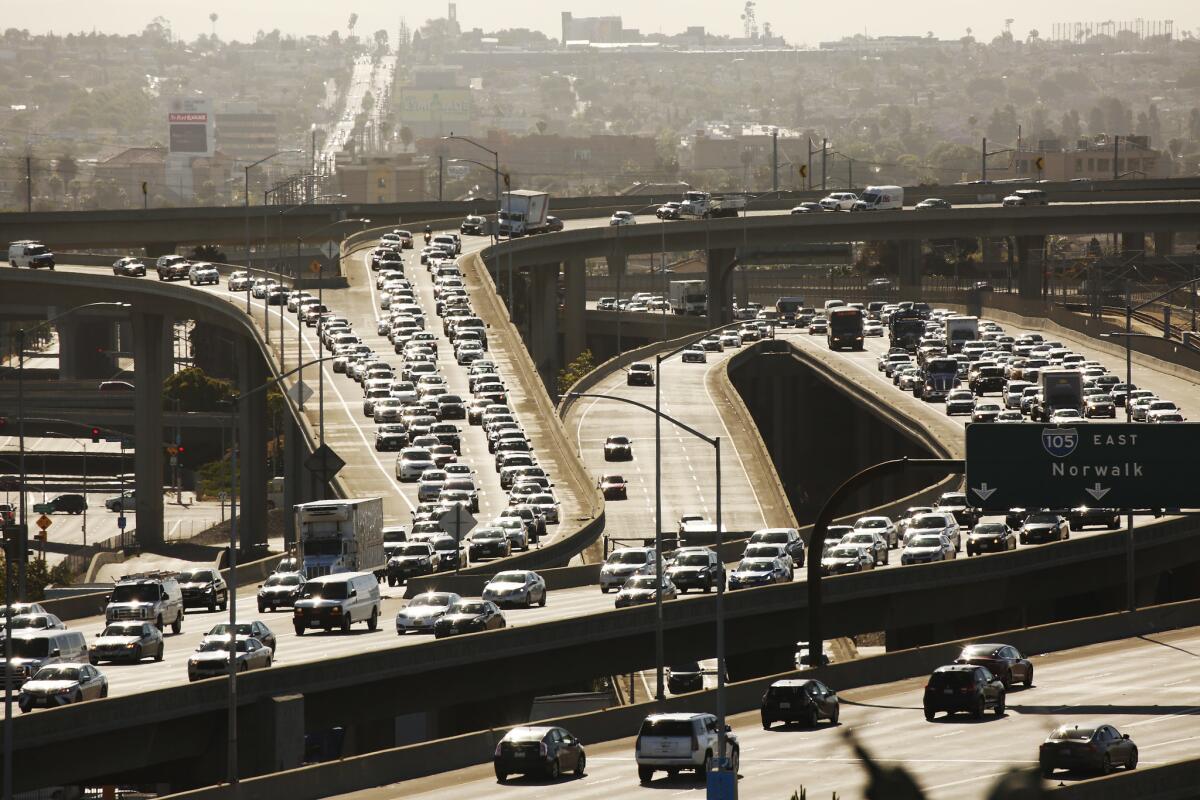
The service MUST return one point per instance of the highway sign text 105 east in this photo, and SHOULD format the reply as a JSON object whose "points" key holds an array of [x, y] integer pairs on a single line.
{"points": [[1123, 466]]}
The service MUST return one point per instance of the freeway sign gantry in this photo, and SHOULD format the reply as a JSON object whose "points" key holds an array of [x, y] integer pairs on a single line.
{"points": [[1121, 466]]}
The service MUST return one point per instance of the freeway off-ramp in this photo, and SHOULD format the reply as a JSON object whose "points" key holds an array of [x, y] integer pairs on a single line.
{"points": [[1146, 687]]}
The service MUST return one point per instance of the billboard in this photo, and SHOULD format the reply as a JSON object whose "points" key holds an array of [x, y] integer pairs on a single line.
{"points": [[435, 105], [190, 126]]}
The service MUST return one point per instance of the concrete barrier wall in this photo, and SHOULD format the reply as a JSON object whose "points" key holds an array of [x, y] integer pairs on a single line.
{"points": [[405, 763], [1179, 780], [471, 584]]}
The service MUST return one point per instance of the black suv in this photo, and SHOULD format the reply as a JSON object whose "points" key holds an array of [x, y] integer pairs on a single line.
{"points": [[62, 504], [685, 677], [803, 701], [963, 687]]}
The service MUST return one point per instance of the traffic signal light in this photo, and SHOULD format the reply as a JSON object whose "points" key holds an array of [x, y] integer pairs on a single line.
{"points": [[95, 435]]}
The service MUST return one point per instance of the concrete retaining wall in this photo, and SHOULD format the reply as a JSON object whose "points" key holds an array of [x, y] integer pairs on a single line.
{"points": [[405, 763], [1176, 781]]}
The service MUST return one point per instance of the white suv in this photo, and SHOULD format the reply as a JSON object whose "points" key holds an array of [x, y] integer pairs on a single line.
{"points": [[839, 201], [673, 742]]}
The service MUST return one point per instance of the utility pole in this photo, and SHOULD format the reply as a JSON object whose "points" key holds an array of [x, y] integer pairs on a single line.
{"points": [[1116, 146], [983, 161], [775, 159], [824, 154], [441, 165], [28, 180], [808, 173]]}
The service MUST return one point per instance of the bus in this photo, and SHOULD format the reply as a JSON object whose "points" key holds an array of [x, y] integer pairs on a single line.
{"points": [[845, 328]]}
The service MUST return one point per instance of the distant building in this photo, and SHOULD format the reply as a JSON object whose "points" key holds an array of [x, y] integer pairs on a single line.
{"points": [[436, 102], [593, 29], [1090, 158], [130, 168], [734, 147], [381, 179], [245, 132]]}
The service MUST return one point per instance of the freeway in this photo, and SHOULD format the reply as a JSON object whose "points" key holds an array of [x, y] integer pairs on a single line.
{"points": [[1145, 686]]}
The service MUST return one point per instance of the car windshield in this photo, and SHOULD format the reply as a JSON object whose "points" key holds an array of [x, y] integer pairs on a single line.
{"points": [[628, 557], [30, 622], [432, 599], [57, 673], [618, 440], [1042, 519], [466, 608], [692, 560], [756, 565], [509, 577], [132, 629], [666, 727], [989, 529], [283, 580], [844, 552], [135, 593], [641, 582], [927, 541], [316, 590], [929, 521], [413, 549], [243, 629], [219, 645], [1074, 733], [872, 523], [196, 576], [979, 650], [30, 648]]}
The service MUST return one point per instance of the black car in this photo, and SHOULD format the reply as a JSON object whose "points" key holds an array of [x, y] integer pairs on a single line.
{"points": [[473, 225], [963, 687], [804, 701], [991, 537], [1044, 526], [488, 543], [469, 616], [956, 503], [451, 554], [618, 448], [1082, 516], [1099, 748], [280, 589], [129, 267], [553, 224], [549, 752], [391, 438], [1002, 660], [451, 406], [685, 677], [203, 588], [62, 504], [447, 433]]}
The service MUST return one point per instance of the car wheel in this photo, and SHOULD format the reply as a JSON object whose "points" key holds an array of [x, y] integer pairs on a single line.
{"points": [[77, 697], [604, 589], [766, 723], [645, 774], [159, 655], [1000, 706], [501, 775], [1047, 772], [702, 767], [542, 601], [1029, 678], [553, 770], [158, 623], [138, 655], [373, 622], [346, 624], [735, 760], [212, 607], [177, 625], [977, 711], [1106, 765], [224, 605], [104, 694], [93, 660], [1131, 762], [581, 765]]}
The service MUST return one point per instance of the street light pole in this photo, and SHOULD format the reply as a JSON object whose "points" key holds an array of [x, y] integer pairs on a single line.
{"points": [[246, 206]]}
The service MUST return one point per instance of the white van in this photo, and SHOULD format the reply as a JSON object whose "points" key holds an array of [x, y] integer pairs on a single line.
{"points": [[880, 198], [28, 253], [34, 649], [337, 600]]}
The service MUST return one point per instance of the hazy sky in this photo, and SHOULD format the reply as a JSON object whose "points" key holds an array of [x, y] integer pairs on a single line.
{"points": [[798, 21]]}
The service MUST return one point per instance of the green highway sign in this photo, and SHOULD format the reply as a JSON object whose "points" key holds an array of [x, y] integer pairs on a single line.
{"points": [[1119, 465]]}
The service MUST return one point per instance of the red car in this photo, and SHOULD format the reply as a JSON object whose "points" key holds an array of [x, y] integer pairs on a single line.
{"points": [[614, 487], [1004, 661]]}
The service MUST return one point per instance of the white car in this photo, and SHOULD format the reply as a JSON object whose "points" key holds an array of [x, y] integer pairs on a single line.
{"points": [[839, 201], [238, 281], [881, 525], [925, 548], [412, 462], [203, 273], [934, 524], [672, 742], [624, 563], [423, 611], [517, 587], [621, 218]]}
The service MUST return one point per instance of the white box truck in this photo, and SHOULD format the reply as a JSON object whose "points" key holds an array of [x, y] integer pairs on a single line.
{"points": [[688, 297], [341, 536], [880, 198], [959, 331], [523, 212], [704, 205]]}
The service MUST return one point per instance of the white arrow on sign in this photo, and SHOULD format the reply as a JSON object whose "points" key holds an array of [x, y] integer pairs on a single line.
{"points": [[984, 492], [1097, 491]]}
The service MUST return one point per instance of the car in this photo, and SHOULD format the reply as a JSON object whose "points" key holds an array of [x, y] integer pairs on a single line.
{"points": [[623, 563], [1080, 517], [926, 547], [932, 203], [613, 487], [639, 375], [839, 201], [473, 225], [712, 344], [1093, 748], [991, 537], [127, 641], [553, 224], [960, 401], [203, 588], [127, 501], [869, 540], [172, 267], [804, 701], [817, 326], [423, 610], [618, 448], [759, 572], [938, 522], [469, 616], [881, 525], [696, 568], [129, 267], [203, 273], [1025, 197], [63, 503], [1002, 660], [1099, 405], [685, 677], [621, 218], [807, 208], [986, 411], [412, 463], [694, 355], [34, 621], [391, 438], [31, 254], [1044, 526], [279, 589], [956, 504], [963, 687], [488, 542], [668, 210], [245, 630], [841, 559], [411, 559], [640, 589], [516, 587], [546, 751], [337, 600], [60, 684], [211, 658], [674, 742]]}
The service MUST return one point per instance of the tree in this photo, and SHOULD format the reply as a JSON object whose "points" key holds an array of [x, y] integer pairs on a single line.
{"points": [[66, 168], [1070, 126], [1002, 125], [195, 390], [570, 374], [406, 136]]}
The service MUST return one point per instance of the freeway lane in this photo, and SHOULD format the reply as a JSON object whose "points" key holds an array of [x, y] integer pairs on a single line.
{"points": [[1146, 687]]}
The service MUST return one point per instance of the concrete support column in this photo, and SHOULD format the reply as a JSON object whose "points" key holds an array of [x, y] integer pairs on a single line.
{"points": [[148, 454], [991, 250], [272, 738], [617, 264], [169, 346], [574, 308], [1133, 243], [297, 481], [720, 291], [543, 321], [252, 447], [1164, 243], [1030, 266], [909, 258], [85, 346]]}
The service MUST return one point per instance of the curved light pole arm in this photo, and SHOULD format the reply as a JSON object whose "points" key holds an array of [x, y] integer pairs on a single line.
{"points": [[677, 423]]}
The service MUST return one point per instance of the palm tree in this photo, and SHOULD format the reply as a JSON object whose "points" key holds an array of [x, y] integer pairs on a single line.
{"points": [[213, 19]]}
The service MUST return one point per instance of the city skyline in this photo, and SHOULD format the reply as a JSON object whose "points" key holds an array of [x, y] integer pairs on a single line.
{"points": [[944, 18]]}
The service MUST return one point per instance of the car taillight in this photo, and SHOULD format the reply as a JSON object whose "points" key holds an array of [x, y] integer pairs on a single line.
{"points": [[965, 690]]}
